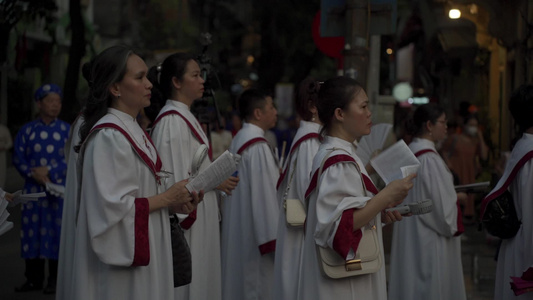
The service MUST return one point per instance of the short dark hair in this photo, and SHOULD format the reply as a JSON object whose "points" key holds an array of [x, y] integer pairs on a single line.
{"points": [[249, 101], [335, 93], [426, 112], [521, 106]]}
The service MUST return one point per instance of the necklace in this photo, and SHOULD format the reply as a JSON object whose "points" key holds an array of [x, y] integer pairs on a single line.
{"points": [[146, 144]]}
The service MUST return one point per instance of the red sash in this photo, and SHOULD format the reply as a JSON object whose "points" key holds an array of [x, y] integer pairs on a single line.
{"points": [[293, 149]]}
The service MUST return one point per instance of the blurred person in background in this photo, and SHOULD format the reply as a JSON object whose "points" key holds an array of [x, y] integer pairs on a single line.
{"points": [[428, 245], [39, 157], [463, 154]]}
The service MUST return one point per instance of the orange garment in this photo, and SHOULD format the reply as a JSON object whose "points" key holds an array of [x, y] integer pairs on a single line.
{"points": [[462, 154]]}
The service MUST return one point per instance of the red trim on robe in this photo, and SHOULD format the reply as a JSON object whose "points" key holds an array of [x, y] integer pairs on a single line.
{"points": [[191, 218], [345, 237], [154, 168], [460, 226], [329, 162], [424, 151], [191, 127], [369, 184], [141, 256], [507, 182], [293, 149], [249, 143], [267, 247], [189, 221]]}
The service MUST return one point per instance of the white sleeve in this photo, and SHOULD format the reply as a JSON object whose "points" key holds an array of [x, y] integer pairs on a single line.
{"points": [[340, 188], [436, 184], [110, 190], [264, 203]]}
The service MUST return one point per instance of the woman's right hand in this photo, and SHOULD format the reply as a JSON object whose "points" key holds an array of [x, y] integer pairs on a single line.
{"points": [[397, 190], [177, 198], [180, 200]]}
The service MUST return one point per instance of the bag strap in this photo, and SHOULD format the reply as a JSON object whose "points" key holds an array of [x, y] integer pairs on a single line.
{"points": [[290, 179], [356, 166], [507, 182], [373, 225]]}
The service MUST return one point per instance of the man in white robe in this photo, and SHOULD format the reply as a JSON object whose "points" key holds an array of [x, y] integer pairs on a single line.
{"points": [[425, 261], [122, 250], [177, 135], [250, 215]]}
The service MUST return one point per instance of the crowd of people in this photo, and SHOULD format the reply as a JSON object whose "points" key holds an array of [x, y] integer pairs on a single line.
{"points": [[109, 235]]}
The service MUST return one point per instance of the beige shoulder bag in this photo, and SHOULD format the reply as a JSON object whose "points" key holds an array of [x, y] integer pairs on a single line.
{"points": [[295, 212], [368, 258]]}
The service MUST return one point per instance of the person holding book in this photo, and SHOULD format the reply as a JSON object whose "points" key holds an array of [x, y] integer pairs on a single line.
{"points": [[340, 205], [428, 244], [292, 183], [122, 244], [178, 135]]}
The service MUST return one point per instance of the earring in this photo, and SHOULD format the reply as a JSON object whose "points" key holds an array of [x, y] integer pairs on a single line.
{"points": [[118, 96]]}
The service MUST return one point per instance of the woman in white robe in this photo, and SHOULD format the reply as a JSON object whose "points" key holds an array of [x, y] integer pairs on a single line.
{"points": [[70, 210], [425, 261], [295, 177], [338, 204], [516, 254], [178, 135], [122, 241]]}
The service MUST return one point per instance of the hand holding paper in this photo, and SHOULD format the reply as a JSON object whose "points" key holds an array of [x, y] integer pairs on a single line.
{"points": [[395, 162], [216, 173]]}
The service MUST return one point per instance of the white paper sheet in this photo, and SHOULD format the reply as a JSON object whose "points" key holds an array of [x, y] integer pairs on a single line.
{"points": [[5, 227], [19, 198], [55, 189], [216, 173], [374, 142], [389, 163]]}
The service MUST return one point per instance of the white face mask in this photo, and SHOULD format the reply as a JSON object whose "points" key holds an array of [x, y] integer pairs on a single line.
{"points": [[471, 130]]}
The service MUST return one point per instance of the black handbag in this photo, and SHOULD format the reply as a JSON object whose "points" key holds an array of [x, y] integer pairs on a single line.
{"points": [[181, 254], [500, 217]]}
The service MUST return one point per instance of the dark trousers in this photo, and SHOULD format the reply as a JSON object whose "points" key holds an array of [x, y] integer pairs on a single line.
{"points": [[35, 271]]}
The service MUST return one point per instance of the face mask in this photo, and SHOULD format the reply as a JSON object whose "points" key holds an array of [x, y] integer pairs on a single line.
{"points": [[471, 130]]}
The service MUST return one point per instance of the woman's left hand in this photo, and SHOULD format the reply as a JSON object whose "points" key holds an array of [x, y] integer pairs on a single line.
{"points": [[388, 217], [228, 185]]}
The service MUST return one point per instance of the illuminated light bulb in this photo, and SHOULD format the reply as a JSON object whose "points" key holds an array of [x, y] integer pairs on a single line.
{"points": [[454, 13]]}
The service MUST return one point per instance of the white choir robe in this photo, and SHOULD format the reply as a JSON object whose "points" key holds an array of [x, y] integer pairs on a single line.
{"points": [[516, 253], [289, 240], [340, 189], [249, 221], [425, 259], [177, 144], [68, 222], [115, 229]]}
